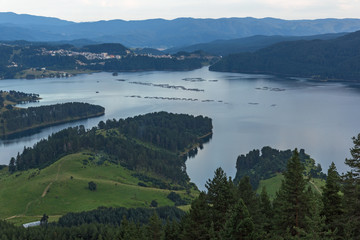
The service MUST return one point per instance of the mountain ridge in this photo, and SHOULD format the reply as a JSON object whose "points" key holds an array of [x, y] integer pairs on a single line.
{"points": [[162, 33], [246, 44]]}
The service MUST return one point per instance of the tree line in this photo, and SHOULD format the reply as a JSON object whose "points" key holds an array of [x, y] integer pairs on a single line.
{"points": [[154, 142]]}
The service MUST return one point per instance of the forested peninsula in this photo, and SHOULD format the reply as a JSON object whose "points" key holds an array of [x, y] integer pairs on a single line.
{"points": [[156, 142], [15, 120]]}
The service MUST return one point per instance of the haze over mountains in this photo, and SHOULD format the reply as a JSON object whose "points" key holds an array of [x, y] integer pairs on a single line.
{"points": [[160, 33]]}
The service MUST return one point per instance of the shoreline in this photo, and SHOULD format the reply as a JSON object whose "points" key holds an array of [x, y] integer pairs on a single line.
{"points": [[41, 126]]}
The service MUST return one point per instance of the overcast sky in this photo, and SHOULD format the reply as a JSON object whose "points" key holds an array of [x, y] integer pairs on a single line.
{"points": [[94, 10]]}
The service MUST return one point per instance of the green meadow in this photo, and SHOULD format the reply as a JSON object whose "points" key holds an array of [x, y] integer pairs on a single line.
{"points": [[272, 185], [63, 187]]}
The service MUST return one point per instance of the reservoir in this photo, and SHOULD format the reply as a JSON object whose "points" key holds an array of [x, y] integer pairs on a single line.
{"points": [[248, 112]]}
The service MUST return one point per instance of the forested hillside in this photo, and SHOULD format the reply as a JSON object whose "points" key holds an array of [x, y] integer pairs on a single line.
{"points": [[326, 60], [156, 143], [229, 211]]}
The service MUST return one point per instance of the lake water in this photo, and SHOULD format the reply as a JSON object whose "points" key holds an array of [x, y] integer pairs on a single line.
{"points": [[248, 112]]}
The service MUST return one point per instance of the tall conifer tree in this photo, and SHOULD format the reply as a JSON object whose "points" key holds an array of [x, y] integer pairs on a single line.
{"points": [[221, 197], [197, 224], [239, 224], [351, 189], [332, 200], [291, 203]]}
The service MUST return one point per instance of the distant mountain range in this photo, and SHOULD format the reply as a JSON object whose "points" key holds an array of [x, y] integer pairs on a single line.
{"points": [[326, 60], [246, 44], [160, 33]]}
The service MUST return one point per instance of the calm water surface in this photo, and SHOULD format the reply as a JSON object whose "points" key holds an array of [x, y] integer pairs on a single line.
{"points": [[248, 112]]}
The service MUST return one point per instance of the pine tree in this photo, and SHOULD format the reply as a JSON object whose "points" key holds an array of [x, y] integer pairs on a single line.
{"points": [[266, 211], [221, 197], [154, 227], [332, 200], [12, 166], [251, 200], [291, 204], [316, 226], [197, 224], [239, 224], [351, 189], [171, 230]]}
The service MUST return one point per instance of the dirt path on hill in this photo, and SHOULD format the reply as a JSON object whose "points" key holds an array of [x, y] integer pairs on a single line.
{"points": [[15, 216], [316, 187], [42, 195], [48, 186]]}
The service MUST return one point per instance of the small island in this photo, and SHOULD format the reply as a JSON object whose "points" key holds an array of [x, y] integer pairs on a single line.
{"points": [[15, 120]]}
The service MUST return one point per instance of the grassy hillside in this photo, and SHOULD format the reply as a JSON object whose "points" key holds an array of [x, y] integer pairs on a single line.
{"points": [[63, 187], [134, 162], [273, 184]]}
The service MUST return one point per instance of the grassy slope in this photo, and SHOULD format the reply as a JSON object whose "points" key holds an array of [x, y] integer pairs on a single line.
{"points": [[273, 184], [23, 196]]}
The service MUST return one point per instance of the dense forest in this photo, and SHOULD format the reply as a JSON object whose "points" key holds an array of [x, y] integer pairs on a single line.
{"points": [[232, 211], [334, 59], [16, 120], [157, 143], [260, 165], [114, 216]]}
